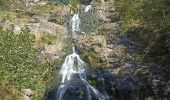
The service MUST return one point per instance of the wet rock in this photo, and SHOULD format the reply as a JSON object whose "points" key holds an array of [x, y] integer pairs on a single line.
{"points": [[75, 90], [159, 84], [131, 88], [123, 86]]}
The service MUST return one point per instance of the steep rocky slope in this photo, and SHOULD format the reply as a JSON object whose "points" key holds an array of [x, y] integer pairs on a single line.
{"points": [[106, 49]]}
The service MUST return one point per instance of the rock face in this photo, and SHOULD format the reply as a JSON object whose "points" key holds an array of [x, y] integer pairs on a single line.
{"points": [[104, 10], [39, 29], [94, 49], [60, 16], [48, 28]]}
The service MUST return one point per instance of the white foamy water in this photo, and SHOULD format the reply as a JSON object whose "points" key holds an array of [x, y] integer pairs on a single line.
{"points": [[71, 66], [75, 23], [74, 66], [88, 8]]}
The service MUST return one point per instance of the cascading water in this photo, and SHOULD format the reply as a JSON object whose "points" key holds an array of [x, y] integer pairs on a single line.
{"points": [[88, 8], [72, 66], [75, 24]]}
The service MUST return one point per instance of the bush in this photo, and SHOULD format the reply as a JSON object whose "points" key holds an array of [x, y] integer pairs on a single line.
{"points": [[19, 66], [4, 3]]}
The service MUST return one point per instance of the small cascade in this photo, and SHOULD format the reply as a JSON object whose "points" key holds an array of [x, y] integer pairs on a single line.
{"points": [[74, 51], [74, 66], [75, 23], [88, 8]]}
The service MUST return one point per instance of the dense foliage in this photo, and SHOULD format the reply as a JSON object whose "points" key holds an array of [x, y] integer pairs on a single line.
{"points": [[2, 2], [148, 21], [18, 64], [5, 3]]}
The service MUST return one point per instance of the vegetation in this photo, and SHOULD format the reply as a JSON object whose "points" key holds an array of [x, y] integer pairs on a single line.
{"points": [[148, 23], [15, 12], [91, 57], [74, 5], [3, 3], [89, 23], [47, 39], [19, 68]]}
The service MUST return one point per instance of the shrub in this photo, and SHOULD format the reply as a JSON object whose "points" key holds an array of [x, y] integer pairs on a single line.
{"points": [[18, 64]]}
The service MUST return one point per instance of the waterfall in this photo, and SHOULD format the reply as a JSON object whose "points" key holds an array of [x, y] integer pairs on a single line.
{"points": [[73, 65], [75, 23], [74, 51], [88, 8]]}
